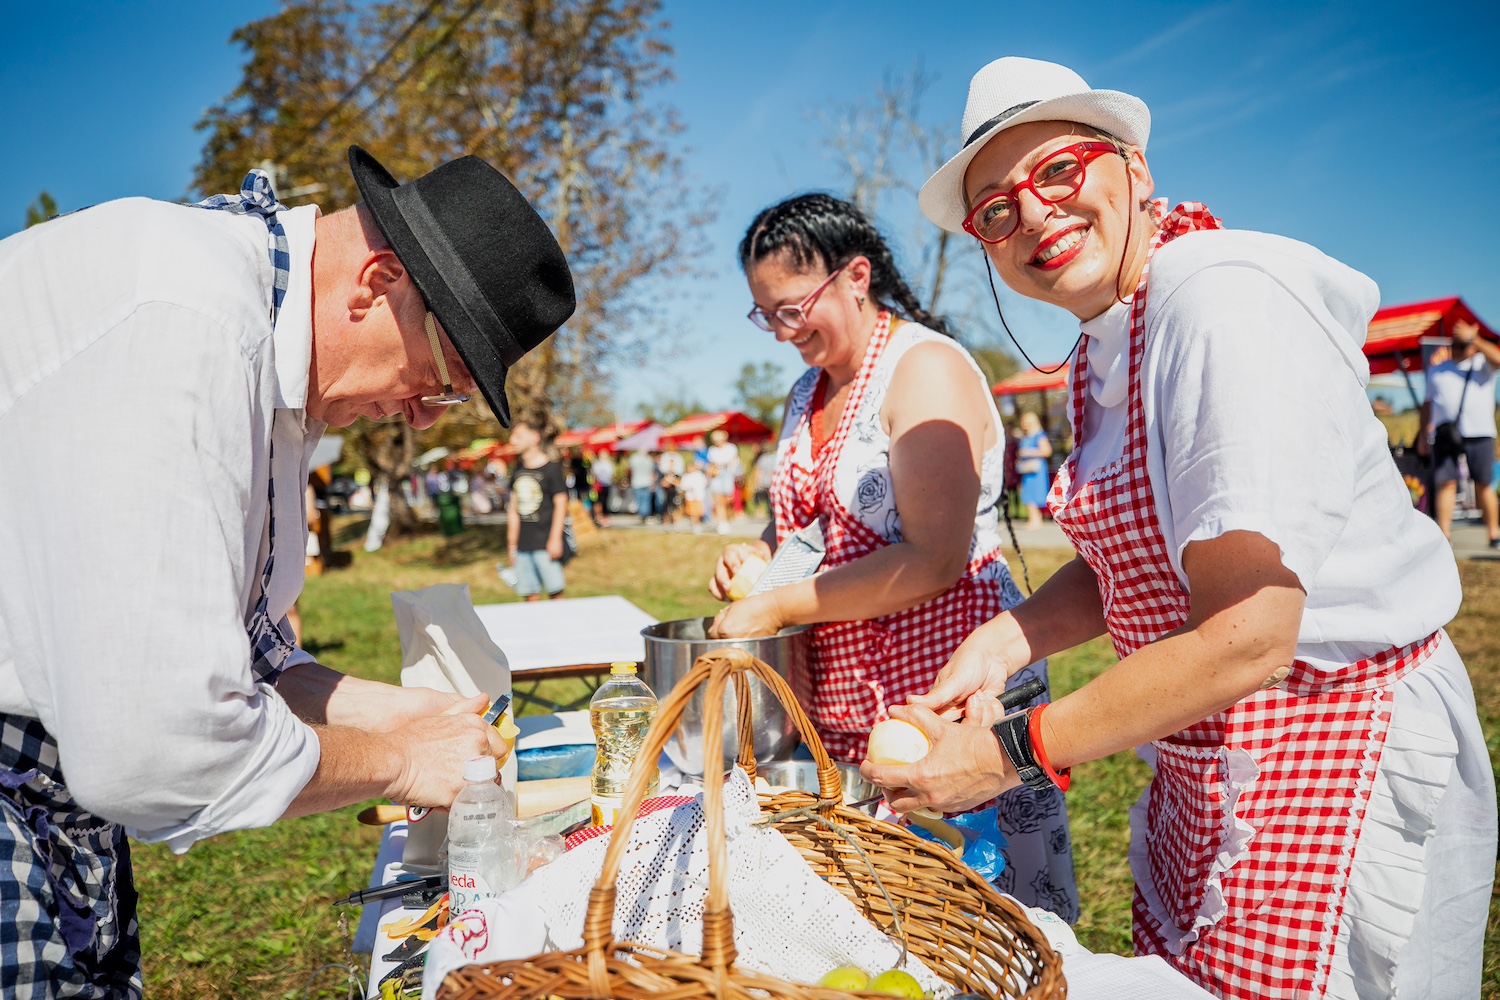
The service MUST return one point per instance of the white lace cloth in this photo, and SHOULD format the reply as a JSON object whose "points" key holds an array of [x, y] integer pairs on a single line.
{"points": [[787, 921]]}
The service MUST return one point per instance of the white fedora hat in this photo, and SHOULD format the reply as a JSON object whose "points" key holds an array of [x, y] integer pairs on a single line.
{"points": [[1012, 91]]}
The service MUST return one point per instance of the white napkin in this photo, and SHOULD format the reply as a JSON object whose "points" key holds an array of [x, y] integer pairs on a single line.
{"points": [[445, 646]]}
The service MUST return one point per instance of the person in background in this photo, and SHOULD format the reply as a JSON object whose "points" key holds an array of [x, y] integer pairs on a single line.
{"points": [[580, 484], [1321, 818], [763, 467], [723, 469], [534, 523], [1461, 390], [892, 445], [433, 482], [669, 470], [480, 499], [1032, 453], [603, 471], [1012, 470], [694, 492], [642, 481]]}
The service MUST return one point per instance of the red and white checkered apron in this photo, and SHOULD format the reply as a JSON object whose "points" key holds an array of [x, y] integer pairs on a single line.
{"points": [[1253, 815], [859, 668]]}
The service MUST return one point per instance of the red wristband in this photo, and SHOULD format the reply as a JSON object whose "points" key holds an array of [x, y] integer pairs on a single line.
{"points": [[1061, 778]]}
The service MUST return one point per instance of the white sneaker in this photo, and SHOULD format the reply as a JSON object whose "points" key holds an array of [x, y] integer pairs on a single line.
{"points": [[723, 528]]}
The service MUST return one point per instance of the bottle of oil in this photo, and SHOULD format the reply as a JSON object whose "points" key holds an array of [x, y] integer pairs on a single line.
{"points": [[621, 712]]}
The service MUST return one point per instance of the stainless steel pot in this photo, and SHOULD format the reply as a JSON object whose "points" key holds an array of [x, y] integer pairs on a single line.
{"points": [[803, 775], [671, 649]]}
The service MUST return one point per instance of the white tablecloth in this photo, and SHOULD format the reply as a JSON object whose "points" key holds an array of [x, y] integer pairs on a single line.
{"points": [[567, 631]]}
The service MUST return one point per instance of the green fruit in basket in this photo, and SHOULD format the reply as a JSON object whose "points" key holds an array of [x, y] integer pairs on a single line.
{"points": [[897, 984], [847, 978]]}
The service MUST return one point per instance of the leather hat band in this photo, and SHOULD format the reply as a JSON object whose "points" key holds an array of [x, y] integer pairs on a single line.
{"points": [[460, 280]]}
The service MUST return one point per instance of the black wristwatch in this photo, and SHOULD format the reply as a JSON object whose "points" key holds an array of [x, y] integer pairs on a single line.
{"points": [[1015, 739]]}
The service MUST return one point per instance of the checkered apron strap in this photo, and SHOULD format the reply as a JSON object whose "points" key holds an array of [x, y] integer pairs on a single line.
{"points": [[67, 900], [1250, 822], [271, 642], [862, 667]]}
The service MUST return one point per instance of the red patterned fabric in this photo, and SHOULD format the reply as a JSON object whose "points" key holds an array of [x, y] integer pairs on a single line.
{"points": [[1253, 815], [861, 667], [648, 807]]}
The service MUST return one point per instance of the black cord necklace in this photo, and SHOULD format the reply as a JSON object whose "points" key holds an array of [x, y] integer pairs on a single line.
{"points": [[990, 273]]}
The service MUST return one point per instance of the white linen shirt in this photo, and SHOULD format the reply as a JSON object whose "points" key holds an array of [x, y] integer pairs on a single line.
{"points": [[1257, 420], [136, 346], [1446, 389]]}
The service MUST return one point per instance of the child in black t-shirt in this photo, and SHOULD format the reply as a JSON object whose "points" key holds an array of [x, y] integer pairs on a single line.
{"points": [[534, 522]]}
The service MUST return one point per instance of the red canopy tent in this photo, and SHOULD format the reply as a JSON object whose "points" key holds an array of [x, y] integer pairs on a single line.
{"points": [[1394, 342], [574, 438], [605, 438], [691, 432], [1033, 380]]}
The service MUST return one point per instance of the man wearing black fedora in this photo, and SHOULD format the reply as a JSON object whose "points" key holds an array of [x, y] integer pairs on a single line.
{"points": [[149, 684]]}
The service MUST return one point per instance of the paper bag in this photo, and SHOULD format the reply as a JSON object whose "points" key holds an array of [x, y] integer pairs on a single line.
{"points": [[444, 645]]}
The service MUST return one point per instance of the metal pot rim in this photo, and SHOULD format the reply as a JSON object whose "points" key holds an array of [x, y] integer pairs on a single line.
{"points": [[647, 633]]}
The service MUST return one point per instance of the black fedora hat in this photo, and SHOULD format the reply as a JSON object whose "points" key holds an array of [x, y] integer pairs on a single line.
{"points": [[488, 266]]}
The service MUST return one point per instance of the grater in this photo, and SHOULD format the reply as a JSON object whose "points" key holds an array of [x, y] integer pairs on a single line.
{"points": [[797, 558]]}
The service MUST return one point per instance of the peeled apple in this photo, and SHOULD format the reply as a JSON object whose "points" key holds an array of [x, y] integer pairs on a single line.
{"points": [[896, 742], [746, 577]]}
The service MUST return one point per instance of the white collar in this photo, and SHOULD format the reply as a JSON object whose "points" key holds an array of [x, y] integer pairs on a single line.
{"points": [[292, 336], [1109, 354]]}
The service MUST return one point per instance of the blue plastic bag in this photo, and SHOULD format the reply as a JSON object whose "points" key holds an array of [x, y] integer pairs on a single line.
{"points": [[983, 841]]}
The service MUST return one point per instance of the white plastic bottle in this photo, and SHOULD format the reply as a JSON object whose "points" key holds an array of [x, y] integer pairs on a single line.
{"points": [[621, 711], [481, 838]]}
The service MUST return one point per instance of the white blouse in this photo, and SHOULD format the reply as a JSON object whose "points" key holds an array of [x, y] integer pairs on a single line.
{"points": [[136, 333], [1257, 420]]}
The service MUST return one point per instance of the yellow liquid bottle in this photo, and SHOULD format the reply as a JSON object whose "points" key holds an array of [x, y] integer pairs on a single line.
{"points": [[621, 711]]}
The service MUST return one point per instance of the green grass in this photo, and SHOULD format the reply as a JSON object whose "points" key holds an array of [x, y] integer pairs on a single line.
{"points": [[248, 915]]}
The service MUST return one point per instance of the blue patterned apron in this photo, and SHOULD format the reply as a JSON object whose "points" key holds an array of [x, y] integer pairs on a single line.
{"points": [[67, 896]]}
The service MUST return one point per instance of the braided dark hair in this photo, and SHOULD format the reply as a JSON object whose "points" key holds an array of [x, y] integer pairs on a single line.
{"points": [[821, 229]]}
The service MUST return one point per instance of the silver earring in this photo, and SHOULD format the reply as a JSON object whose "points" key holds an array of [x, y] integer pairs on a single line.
{"points": [[861, 300]]}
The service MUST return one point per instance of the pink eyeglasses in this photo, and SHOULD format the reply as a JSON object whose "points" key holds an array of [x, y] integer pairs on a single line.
{"points": [[791, 317]]}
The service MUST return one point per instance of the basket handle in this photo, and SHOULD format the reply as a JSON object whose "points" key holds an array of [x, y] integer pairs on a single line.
{"points": [[716, 669]]}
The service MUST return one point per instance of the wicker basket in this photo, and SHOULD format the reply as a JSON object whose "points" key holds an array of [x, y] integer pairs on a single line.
{"points": [[916, 891]]}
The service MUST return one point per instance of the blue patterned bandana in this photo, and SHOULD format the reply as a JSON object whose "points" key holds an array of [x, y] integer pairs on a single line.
{"points": [[257, 197]]}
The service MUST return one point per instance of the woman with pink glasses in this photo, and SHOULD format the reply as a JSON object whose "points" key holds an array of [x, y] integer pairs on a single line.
{"points": [[891, 444], [1322, 818]]}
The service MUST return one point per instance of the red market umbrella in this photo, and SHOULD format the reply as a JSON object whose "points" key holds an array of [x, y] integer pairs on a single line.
{"points": [[1033, 380], [1394, 342], [606, 438], [690, 432], [574, 438]]}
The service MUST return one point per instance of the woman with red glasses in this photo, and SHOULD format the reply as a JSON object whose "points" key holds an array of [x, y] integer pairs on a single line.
{"points": [[891, 444], [1322, 818]]}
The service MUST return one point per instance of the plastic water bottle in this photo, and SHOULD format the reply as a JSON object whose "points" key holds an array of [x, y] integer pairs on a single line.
{"points": [[481, 838], [621, 711]]}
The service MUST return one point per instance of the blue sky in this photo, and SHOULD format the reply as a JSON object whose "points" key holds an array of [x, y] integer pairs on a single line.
{"points": [[1370, 130]]}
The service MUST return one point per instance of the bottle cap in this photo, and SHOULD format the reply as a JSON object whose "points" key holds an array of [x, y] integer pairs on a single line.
{"points": [[622, 667], [480, 769]]}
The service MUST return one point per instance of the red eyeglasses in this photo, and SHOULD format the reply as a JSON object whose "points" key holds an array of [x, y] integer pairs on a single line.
{"points": [[1057, 178]]}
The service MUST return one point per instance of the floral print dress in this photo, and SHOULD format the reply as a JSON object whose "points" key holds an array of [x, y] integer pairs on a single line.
{"points": [[861, 668]]}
